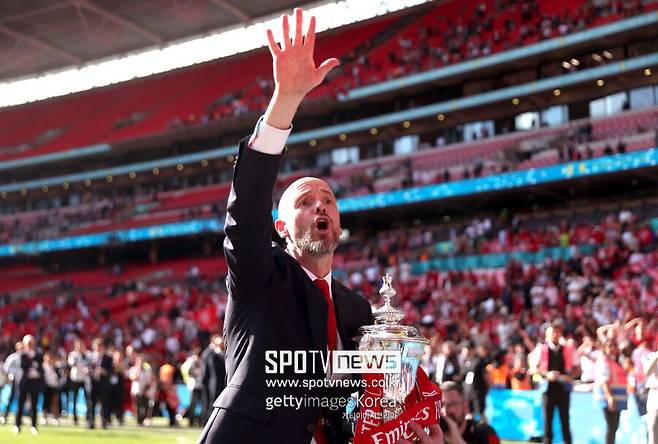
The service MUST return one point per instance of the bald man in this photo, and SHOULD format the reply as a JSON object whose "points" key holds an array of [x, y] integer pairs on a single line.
{"points": [[285, 311], [283, 303]]}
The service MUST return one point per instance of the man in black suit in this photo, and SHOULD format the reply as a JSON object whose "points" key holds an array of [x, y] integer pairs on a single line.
{"points": [[31, 383], [214, 374], [101, 368], [283, 300]]}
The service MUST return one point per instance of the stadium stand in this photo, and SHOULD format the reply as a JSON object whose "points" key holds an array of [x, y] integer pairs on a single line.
{"points": [[433, 165], [77, 120], [138, 108], [624, 250]]}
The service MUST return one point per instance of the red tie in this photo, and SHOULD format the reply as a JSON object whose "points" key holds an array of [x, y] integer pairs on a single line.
{"points": [[331, 316], [320, 437]]}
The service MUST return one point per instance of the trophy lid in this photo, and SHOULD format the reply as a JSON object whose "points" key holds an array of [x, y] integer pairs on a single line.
{"points": [[387, 314], [387, 320]]}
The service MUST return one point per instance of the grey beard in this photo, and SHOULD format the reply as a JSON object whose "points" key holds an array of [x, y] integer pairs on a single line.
{"points": [[316, 248]]}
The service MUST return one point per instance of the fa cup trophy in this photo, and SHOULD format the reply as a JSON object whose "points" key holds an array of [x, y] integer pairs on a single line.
{"points": [[394, 399]]}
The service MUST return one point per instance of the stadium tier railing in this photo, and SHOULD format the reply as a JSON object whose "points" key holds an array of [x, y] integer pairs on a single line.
{"points": [[186, 228], [76, 153]]}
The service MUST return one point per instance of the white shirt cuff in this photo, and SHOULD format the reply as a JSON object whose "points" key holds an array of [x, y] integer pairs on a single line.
{"points": [[267, 139]]}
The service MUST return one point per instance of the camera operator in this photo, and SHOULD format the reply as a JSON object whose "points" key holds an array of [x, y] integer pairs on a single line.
{"points": [[456, 428]]}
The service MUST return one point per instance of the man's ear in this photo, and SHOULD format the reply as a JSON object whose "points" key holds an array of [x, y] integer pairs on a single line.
{"points": [[280, 227]]}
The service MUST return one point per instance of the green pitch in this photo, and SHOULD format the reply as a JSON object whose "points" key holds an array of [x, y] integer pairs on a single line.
{"points": [[130, 433], [66, 433]]}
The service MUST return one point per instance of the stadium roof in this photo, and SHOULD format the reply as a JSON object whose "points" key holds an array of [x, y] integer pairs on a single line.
{"points": [[42, 35], [54, 65]]}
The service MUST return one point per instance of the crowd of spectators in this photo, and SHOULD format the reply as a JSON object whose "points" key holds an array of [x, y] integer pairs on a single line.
{"points": [[571, 146], [623, 240], [87, 211], [438, 39], [55, 218], [58, 221], [491, 320], [487, 326]]}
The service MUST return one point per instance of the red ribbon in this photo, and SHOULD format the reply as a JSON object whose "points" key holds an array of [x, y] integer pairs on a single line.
{"points": [[422, 406]]}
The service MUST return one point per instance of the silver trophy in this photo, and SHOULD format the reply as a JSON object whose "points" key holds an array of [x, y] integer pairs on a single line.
{"points": [[387, 334]]}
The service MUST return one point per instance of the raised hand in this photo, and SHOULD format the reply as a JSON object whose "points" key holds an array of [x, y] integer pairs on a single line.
{"points": [[295, 72]]}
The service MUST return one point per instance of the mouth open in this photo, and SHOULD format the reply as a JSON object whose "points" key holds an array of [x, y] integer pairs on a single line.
{"points": [[322, 224]]}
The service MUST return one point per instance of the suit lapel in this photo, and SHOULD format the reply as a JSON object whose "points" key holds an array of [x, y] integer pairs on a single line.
{"points": [[316, 308], [342, 314]]}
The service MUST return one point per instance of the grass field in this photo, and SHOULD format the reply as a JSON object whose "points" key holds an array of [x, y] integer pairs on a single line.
{"points": [[130, 433]]}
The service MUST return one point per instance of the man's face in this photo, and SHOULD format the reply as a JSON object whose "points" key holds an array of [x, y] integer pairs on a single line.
{"points": [[309, 217], [553, 334], [29, 343], [454, 406], [611, 350]]}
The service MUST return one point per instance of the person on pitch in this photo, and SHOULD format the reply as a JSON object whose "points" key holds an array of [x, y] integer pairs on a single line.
{"points": [[284, 299], [31, 383], [555, 361], [12, 367]]}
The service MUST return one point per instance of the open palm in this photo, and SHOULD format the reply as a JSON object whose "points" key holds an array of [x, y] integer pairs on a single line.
{"points": [[295, 72]]}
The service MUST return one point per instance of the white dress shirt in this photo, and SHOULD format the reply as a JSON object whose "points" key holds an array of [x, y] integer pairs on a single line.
{"points": [[267, 139]]}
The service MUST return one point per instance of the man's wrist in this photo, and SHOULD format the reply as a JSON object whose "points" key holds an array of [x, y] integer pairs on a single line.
{"points": [[267, 139], [282, 109], [283, 95]]}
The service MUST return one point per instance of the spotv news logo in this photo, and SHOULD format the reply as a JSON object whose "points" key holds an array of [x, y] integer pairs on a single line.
{"points": [[338, 361]]}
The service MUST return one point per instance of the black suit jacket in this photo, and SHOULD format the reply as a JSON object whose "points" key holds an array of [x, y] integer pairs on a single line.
{"points": [[214, 372], [102, 368], [273, 305], [35, 362]]}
